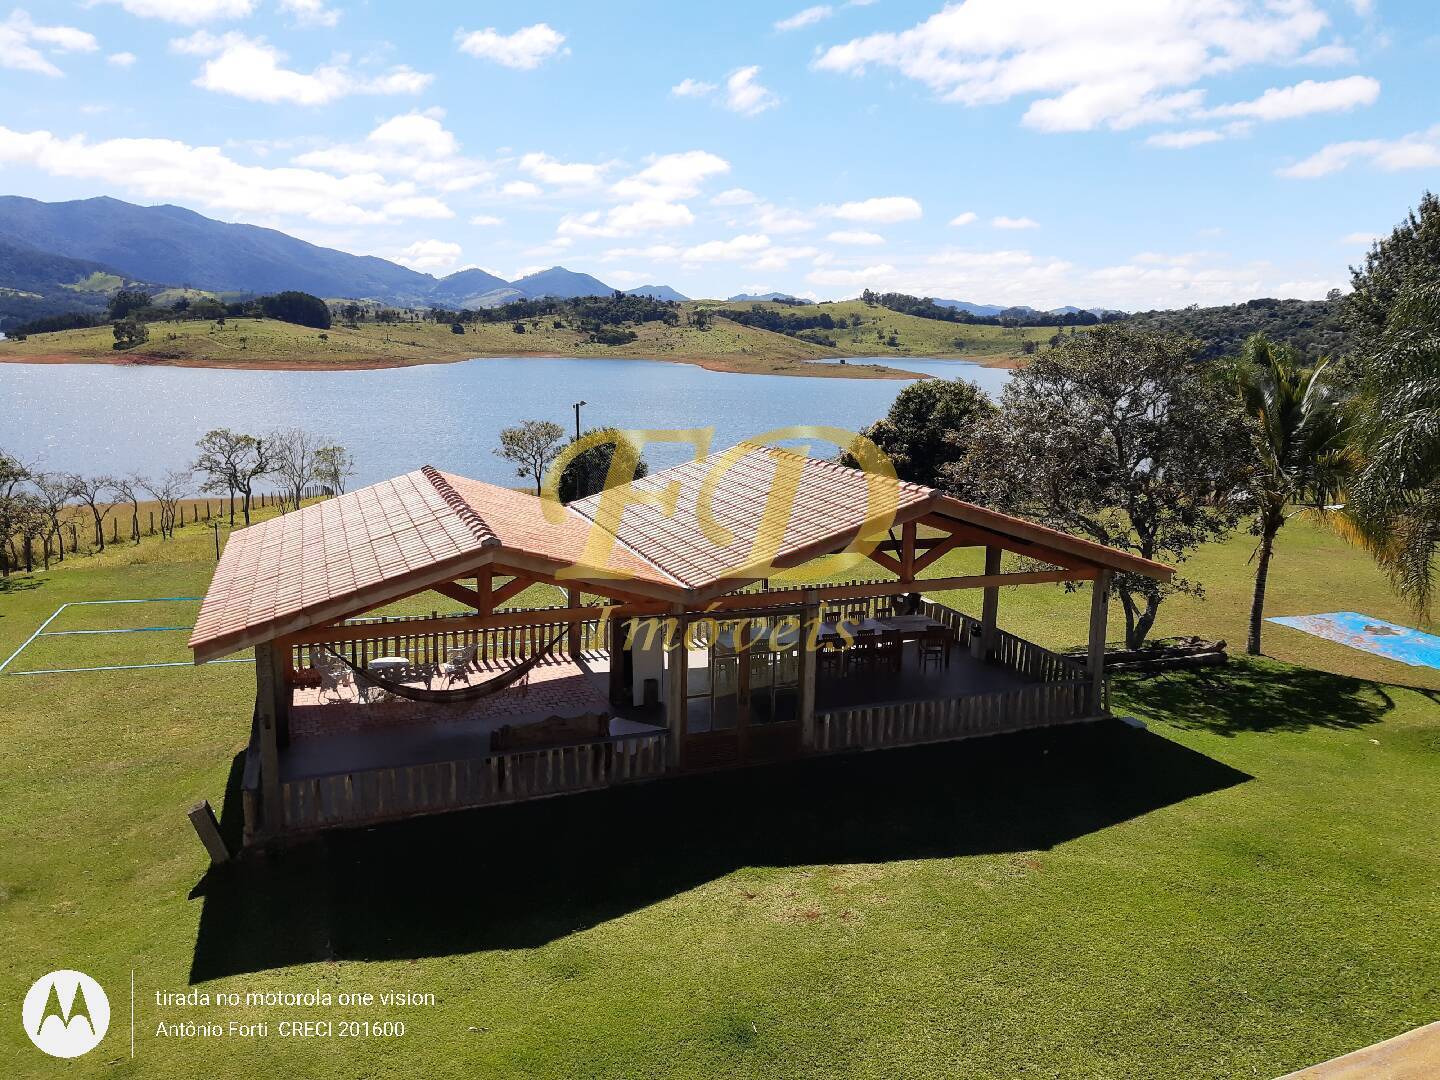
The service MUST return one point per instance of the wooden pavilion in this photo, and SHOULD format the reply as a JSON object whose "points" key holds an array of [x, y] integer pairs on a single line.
{"points": [[704, 627]]}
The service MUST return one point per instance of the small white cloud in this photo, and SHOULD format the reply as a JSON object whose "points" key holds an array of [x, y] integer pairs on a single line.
{"points": [[628, 219], [1003, 222], [428, 255], [1418, 150], [882, 210], [693, 88], [808, 17], [857, 237], [525, 49], [1183, 140], [738, 247], [735, 196], [310, 12], [24, 44], [548, 170], [486, 220], [1305, 99], [1333, 55], [521, 189], [121, 59], [745, 95], [778, 219], [671, 177], [250, 68], [186, 12], [966, 218], [418, 206]]}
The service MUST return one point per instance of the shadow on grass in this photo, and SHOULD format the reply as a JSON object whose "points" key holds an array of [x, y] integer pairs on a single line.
{"points": [[520, 876], [1253, 694], [17, 582]]}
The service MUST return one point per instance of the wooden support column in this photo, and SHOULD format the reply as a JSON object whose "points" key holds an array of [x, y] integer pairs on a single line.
{"points": [[269, 688], [483, 604], [677, 702], [572, 638], [907, 551], [990, 604], [809, 632], [1095, 662], [620, 693]]}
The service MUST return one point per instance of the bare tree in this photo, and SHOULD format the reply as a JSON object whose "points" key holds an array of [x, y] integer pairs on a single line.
{"points": [[127, 489], [232, 462], [296, 460], [91, 491], [55, 491], [334, 466], [531, 446], [168, 492]]}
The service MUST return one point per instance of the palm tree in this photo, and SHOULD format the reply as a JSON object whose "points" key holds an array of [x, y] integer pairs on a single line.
{"points": [[1393, 504], [1297, 438]]}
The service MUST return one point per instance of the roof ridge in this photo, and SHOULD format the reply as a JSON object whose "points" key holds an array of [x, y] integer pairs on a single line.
{"points": [[463, 510], [836, 466]]}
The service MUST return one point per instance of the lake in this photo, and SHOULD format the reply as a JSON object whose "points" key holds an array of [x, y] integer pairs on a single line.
{"points": [[122, 419]]}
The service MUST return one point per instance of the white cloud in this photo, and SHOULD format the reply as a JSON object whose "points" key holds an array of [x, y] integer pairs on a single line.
{"points": [[627, 219], [738, 247], [654, 252], [1184, 140], [24, 44], [778, 219], [808, 17], [310, 12], [204, 175], [777, 258], [521, 189], [1418, 150], [187, 12], [121, 59], [1364, 238], [745, 95], [561, 173], [525, 49], [735, 196], [1333, 55], [669, 177], [486, 220], [1363, 7], [428, 255], [1305, 98], [250, 68], [414, 145], [1003, 222], [693, 88], [418, 206], [1111, 62], [883, 210], [846, 236], [966, 218]]}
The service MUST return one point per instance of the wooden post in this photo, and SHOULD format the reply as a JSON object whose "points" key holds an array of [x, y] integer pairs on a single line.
{"points": [[482, 586], [572, 638], [907, 551], [269, 682], [208, 829], [620, 693], [677, 700], [1095, 662], [990, 604], [809, 633]]}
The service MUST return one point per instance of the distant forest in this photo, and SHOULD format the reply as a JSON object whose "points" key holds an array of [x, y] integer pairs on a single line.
{"points": [[1312, 326]]}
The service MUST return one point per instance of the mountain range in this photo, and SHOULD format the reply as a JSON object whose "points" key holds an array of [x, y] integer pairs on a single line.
{"points": [[58, 256]]}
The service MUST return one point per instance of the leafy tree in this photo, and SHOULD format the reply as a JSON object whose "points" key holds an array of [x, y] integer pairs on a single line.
{"points": [[1118, 435], [55, 490], [334, 466], [928, 427], [457, 328], [1393, 503], [1296, 435], [126, 302], [130, 333], [1407, 258], [531, 446], [232, 462], [13, 475], [296, 307], [589, 470]]}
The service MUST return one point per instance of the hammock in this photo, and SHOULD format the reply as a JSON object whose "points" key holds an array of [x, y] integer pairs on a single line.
{"points": [[465, 693]]}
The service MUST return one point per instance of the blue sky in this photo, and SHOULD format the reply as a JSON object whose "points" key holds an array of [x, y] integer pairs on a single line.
{"points": [[1126, 153]]}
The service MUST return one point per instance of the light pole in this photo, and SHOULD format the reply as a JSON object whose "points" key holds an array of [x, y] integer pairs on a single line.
{"points": [[577, 417]]}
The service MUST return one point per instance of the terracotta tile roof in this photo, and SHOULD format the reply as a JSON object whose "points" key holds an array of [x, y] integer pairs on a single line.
{"points": [[734, 490]]}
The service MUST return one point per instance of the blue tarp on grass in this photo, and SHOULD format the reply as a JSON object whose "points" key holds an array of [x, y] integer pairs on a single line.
{"points": [[1371, 635]]}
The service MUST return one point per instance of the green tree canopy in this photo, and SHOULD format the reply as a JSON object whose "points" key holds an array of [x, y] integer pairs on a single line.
{"points": [[297, 307], [531, 446], [589, 470], [1407, 258], [1118, 435], [928, 428]]}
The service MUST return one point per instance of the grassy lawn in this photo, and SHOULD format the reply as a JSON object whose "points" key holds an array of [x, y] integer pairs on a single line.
{"points": [[1245, 888]]}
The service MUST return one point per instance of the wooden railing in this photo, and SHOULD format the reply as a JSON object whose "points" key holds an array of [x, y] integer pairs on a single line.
{"points": [[400, 791], [907, 723], [432, 647], [1011, 652]]}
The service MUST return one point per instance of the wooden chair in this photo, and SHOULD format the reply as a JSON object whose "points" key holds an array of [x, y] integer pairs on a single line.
{"points": [[934, 647]]}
